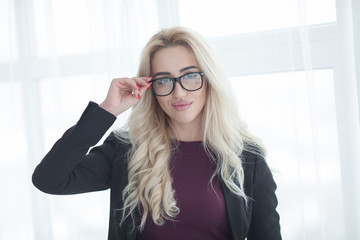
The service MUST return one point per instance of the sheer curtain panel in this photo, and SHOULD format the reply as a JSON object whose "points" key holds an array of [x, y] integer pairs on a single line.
{"points": [[55, 56]]}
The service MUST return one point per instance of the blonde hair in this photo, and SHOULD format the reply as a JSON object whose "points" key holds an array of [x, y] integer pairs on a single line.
{"points": [[149, 189]]}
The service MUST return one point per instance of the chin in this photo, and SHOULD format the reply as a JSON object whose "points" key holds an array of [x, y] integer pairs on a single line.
{"points": [[185, 118]]}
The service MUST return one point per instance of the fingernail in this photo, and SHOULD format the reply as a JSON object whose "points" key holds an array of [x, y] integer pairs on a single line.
{"points": [[148, 87], [139, 97], [137, 86], [149, 78]]}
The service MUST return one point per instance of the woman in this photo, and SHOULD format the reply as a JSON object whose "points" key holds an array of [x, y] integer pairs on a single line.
{"points": [[185, 168]]}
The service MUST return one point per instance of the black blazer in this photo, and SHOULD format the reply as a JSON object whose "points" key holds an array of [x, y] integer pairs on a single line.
{"points": [[68, 169]]}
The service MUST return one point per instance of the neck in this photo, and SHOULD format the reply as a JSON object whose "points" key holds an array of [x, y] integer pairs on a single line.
{"points": [[188, 132]]}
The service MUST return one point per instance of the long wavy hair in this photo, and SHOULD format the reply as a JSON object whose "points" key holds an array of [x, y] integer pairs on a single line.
{"points": [[149, 189]]}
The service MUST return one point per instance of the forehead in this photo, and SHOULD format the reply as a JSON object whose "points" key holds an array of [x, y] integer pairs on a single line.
{"points": [[172, 60]]}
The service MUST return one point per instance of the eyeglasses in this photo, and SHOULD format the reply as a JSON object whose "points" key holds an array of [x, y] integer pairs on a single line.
{"points": [[166, 85]]}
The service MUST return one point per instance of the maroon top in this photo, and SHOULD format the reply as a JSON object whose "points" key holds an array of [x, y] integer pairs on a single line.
{"points": [[202, 211]]}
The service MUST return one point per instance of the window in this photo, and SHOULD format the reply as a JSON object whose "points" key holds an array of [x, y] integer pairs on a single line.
{"points": [[294, 114], [230, 17]]}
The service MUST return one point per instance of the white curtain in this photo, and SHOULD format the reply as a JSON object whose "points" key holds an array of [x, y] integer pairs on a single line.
{"points": [[294, 66]]}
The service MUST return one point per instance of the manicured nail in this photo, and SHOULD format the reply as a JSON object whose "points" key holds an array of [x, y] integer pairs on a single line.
{"points": [[137, 86], [139, 97], [148, 87], [149, 78]]}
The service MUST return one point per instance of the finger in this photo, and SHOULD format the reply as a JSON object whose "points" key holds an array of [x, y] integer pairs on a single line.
{"points": [[145, 86], [131, 87], [143, 82], [131, 84], [143, 90], [136, 94], [135, 86]]}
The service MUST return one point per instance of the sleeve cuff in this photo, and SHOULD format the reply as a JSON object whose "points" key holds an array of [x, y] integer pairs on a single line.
{"points": [[96, 117]]}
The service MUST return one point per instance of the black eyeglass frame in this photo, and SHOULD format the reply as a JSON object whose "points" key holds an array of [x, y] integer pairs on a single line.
{"points": [[178, 79]]}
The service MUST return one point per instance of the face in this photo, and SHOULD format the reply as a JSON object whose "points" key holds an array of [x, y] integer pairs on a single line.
{"points": [[183, 107]]}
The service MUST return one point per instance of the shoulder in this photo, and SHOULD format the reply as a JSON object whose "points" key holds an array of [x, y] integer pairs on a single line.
{"points": [[252, 156], [118, 140], [260, 187], [114, 148], [256, 169]]}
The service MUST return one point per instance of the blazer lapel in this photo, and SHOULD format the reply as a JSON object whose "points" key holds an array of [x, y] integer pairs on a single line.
{"points": [[238, 215]]}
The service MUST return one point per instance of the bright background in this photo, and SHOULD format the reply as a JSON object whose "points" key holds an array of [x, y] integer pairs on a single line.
{"points": [[294, 65]]}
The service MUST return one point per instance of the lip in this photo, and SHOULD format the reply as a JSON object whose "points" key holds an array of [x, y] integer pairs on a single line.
{"points": [[181, 106]]}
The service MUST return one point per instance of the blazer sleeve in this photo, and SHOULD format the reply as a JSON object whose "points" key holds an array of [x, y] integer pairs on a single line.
{"points": [[264, 219], [68, 168]]}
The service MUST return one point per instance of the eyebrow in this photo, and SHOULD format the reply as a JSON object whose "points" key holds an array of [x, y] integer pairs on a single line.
{"points": [[168, 73]]}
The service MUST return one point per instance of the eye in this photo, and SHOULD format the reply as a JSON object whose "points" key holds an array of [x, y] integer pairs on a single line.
{"points": [[191, 76], [163, 81]]}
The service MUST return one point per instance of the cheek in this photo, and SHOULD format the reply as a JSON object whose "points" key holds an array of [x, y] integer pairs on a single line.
{"points": [[203, 96], [162, 102]]}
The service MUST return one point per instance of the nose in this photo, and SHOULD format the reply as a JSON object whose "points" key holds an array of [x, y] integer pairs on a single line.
{"points": [[178, 91]]}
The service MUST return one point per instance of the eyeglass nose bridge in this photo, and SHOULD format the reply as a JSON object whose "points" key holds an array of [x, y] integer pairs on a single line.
{"points": [[177, 79]]}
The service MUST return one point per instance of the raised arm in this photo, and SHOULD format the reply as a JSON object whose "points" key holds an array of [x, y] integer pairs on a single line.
{"points": [[67, 168]]}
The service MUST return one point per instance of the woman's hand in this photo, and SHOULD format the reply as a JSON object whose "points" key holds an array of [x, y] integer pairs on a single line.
{"points": [[124, 93]]}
